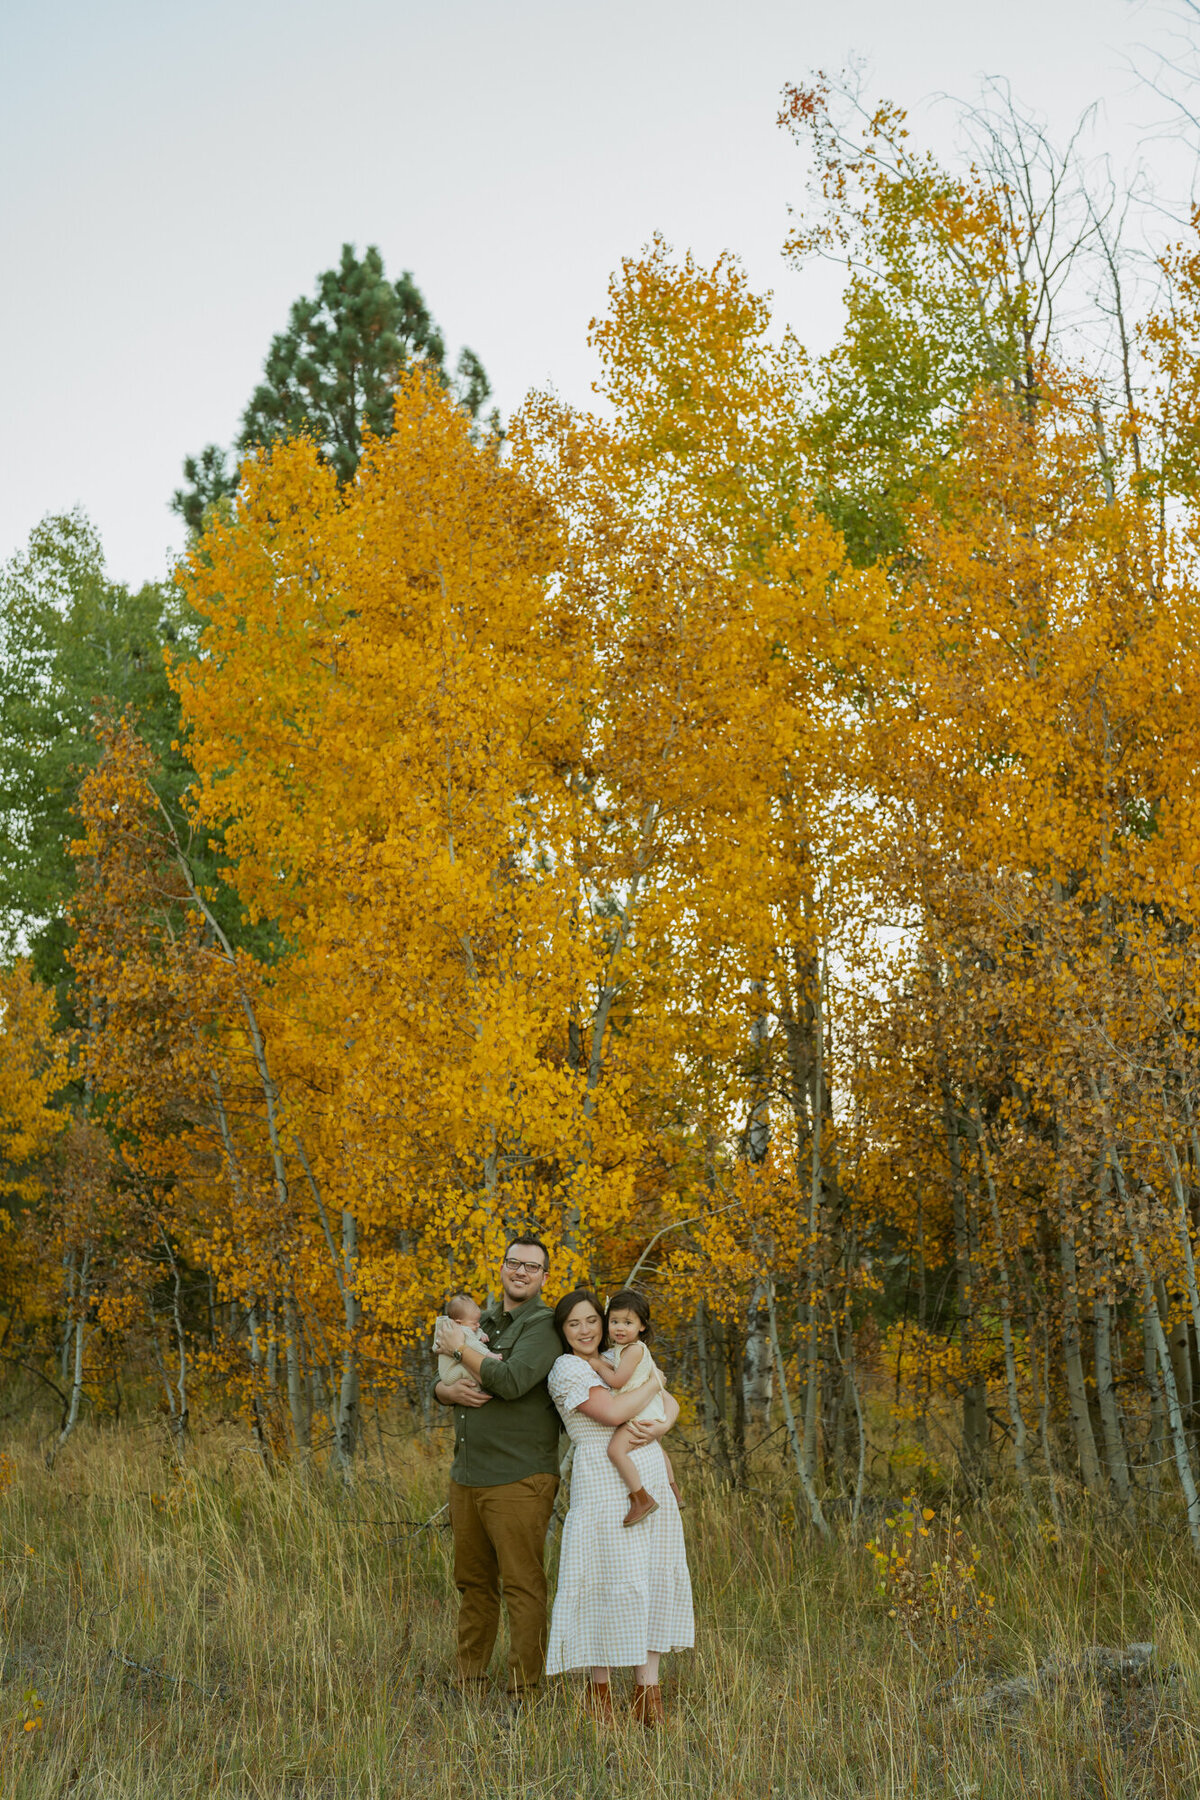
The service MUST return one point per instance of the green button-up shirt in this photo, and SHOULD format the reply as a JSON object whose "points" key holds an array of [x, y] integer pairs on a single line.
{"points": [[516, 1433]]}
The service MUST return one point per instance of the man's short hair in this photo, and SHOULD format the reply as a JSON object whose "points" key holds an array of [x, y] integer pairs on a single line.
{"points": [[532, 1243]]}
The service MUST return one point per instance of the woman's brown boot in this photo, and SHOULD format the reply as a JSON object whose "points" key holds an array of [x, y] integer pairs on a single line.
{"points": [[641, 1505], [597, 1700], [647, 1705]]}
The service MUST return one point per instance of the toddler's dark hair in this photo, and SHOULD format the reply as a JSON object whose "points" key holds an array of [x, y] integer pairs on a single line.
{"points": [[628, 1300], [456, 1304]]}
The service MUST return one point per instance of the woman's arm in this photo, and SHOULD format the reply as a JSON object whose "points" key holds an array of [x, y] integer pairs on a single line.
{"points": [[616, 1409], [644, 1431]]}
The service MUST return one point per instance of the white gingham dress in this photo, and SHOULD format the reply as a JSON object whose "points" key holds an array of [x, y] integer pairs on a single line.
{"points": [[622, 1593]]}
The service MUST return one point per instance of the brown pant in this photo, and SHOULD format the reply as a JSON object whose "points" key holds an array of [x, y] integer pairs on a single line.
{"points": [[500, 1537]]}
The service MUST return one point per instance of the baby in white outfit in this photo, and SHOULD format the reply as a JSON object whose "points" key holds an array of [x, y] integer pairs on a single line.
{"points": [[464, 1312]]}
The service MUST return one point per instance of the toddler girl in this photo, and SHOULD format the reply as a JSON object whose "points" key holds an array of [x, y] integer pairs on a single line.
{"points": [[628, 1363]]}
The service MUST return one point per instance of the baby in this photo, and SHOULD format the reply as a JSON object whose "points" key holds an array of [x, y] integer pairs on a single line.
{"points": [[628, 1363], [463, 1311]]}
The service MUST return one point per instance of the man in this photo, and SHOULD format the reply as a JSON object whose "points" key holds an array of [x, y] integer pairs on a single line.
{"points": [[505, 1471]]}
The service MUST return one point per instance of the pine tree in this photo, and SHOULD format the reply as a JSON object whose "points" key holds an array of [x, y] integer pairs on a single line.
{"points": [[332, 372]]}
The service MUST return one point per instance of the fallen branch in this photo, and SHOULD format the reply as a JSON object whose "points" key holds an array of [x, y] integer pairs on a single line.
{"points": [[129, 1662], [1099, 1664]]}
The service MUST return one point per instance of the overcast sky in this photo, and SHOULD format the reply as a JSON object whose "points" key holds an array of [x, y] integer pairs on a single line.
{"points": [[174, 175]]}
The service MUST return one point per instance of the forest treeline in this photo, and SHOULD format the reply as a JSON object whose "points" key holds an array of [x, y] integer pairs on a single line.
{"points": [[748, 833]]}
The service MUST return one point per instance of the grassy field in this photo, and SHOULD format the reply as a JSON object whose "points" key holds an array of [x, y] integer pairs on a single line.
{"points": [[219, 1633]]}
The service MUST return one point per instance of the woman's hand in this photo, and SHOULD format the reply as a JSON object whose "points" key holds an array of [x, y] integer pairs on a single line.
{"points": [[644, 1431]]}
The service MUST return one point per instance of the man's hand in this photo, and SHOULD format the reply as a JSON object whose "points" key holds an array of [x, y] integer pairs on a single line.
{"points": [[460, 1393], [448, 1337]]}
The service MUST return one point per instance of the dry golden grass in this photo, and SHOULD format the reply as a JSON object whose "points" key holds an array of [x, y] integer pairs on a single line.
{"points": [[223, 1634]]}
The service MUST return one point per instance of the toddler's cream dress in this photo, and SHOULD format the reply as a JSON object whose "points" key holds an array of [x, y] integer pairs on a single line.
{"points": [[654, 1408]]}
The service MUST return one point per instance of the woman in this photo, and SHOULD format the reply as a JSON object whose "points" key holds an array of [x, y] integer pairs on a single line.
{"points": [[623, 1596]]}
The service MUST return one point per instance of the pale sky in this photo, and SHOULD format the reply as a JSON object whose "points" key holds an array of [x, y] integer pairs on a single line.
{"points": [[173, 176]]}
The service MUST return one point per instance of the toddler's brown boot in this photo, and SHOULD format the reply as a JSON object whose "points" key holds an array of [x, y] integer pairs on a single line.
{"points": [[641, 1505]]}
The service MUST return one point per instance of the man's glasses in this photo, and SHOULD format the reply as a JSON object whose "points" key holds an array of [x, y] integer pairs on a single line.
{"points": [[523, 1268]]}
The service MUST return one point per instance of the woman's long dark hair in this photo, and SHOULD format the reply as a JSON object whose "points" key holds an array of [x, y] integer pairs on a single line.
{"points": [[628, 1300], [566, 1307]]}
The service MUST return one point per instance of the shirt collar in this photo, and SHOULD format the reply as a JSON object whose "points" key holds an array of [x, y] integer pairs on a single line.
{"points": [[498, 1312]]}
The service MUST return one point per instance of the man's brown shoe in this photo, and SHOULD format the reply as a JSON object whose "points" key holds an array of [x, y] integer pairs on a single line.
{"points": [[597, 1700], [648, 1706], [641, 1505]]}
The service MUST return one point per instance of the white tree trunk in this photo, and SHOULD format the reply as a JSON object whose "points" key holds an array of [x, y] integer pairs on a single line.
{"points": [[80, 1322]]}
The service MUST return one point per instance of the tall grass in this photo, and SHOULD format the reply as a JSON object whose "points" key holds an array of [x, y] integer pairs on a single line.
{"points": [[217, 1632]]}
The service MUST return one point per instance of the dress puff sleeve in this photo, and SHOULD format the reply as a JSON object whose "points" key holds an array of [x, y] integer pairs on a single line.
{"points": [[570, 1382]]}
